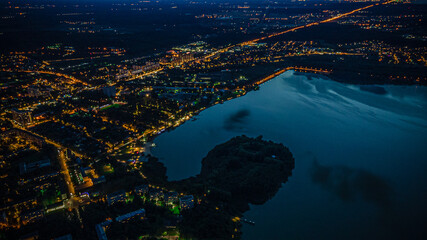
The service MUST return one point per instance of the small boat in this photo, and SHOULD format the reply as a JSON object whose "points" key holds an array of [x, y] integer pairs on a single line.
{"points": [[248, 221]]}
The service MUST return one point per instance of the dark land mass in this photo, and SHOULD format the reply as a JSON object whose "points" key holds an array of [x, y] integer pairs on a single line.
{"points": [[374, 89], [234, 174]]}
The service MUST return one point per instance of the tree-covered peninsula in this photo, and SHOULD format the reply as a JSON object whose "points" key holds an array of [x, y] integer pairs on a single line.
{"points": [[234, 174]]}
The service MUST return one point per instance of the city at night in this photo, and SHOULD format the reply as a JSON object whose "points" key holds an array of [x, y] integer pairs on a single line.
{"points": [[213, 119]]}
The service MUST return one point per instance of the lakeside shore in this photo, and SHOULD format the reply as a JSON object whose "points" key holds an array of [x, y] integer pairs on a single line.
{"points": [[256, 82]]}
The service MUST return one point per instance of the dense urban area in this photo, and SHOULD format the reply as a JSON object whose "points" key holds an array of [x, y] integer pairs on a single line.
{"points": [[85, 87]]}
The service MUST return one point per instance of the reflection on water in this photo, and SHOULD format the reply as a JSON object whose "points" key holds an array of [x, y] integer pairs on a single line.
{"points": [[368, 180], [350, 183], [236, 120]]}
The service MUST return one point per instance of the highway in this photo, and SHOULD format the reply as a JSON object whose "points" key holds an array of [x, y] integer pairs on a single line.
{"points": [[295, 28], [140, 75], [317, 23], [277, 73], [48, 72]]}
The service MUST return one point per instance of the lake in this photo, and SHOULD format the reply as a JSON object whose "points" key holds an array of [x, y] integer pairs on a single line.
{"points": [[360, 156]]}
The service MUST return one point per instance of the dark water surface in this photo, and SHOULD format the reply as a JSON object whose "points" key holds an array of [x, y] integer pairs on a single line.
{"points": [[360, 157]]}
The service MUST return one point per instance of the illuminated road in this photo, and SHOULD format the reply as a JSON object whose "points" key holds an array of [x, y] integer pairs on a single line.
{"points": [[140, 76], [58, 145], [65, 172], [50, 73], [302, 69], [316, 23], [222, 49], [74, 200], [275, 35], [79, 59], [61, 157], [295, 28]]}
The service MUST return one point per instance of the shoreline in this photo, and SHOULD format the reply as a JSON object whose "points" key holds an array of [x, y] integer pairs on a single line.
{"points": [[250, 87], [306, 71]]}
